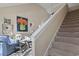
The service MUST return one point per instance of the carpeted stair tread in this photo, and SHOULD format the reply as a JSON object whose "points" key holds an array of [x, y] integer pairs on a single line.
{"points": [[67, 47], [58, 52]]}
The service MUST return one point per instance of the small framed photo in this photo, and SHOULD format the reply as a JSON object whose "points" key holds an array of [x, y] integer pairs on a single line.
{"points": [[22, 24]]}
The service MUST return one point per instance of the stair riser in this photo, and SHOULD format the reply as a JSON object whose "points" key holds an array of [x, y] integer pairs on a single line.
{"points": [[67, 47], [73, 13], [72, 16], [76, 21], [57, 52], [70, 23], [66, 34], [69, 26], [69, 30], [68, 40], [75, 25], [69, 20]]}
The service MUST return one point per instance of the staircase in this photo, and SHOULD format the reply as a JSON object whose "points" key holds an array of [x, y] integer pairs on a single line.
{"points": [[67, 39]]}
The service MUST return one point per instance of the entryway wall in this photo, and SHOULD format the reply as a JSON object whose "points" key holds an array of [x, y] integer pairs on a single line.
{"points": [[30, 11]]}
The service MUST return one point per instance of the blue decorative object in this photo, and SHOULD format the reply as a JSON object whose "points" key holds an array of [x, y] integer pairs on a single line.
{"points": [[6, 47]]}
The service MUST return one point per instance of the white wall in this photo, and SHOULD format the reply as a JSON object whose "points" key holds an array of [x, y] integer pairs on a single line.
{"points": [[37, 13], [73, 6], [50, 7]]}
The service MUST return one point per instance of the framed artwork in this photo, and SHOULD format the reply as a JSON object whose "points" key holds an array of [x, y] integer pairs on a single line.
{"points": [[7, 29], [8, 21], [22, 24]]}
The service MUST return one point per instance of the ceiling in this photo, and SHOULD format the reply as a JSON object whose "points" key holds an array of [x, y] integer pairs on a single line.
{"points": [[47, 6], [14, 4], [9, 4]]}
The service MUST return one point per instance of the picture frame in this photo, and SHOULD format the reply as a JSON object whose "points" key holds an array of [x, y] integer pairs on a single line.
{"points": [[22, 24]]}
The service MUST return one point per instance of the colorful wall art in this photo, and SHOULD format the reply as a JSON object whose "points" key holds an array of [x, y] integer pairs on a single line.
{"points": [[22, 24]]}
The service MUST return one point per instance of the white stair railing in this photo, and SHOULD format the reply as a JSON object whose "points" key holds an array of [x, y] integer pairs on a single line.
{"points": [[42, 37]]}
